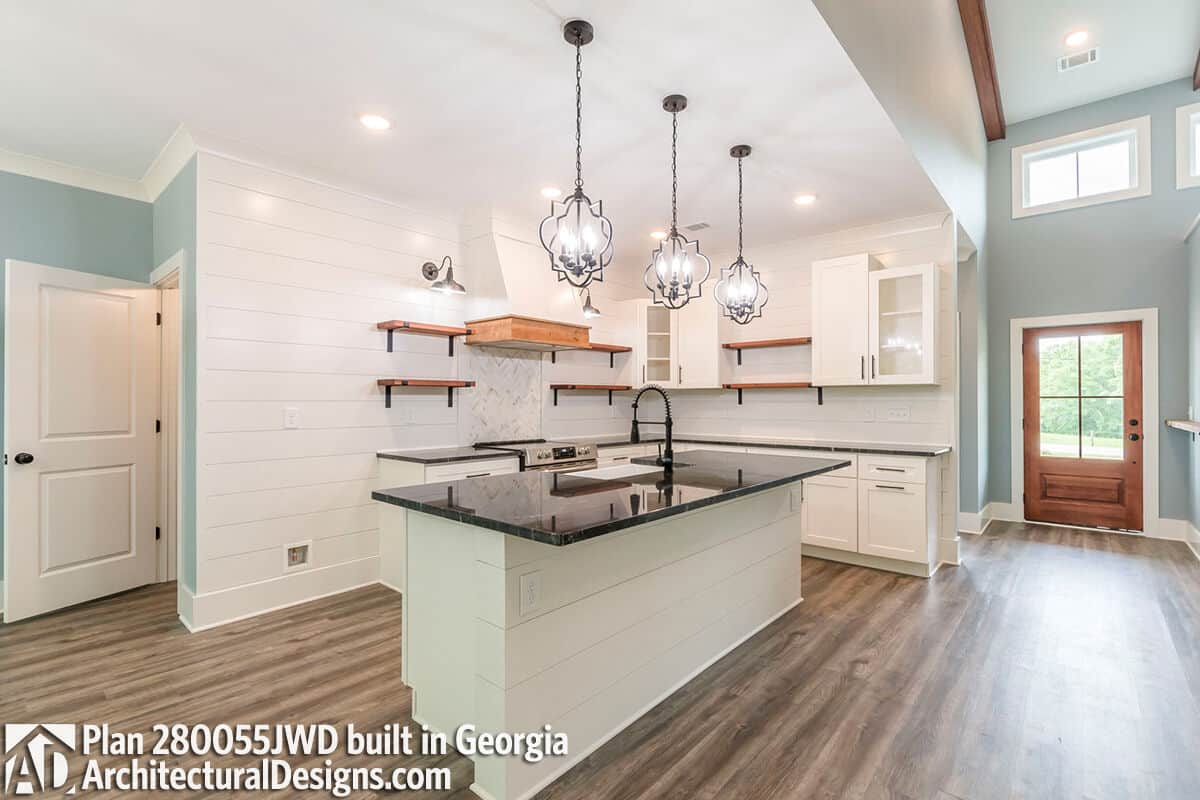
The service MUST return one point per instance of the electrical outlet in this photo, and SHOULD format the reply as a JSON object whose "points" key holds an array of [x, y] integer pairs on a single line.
{"points": [[296, 555], [898, 414], [291, 417], [531, 592]]}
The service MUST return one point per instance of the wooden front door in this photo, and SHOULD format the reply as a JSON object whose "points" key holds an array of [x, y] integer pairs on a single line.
{"points": [[1083, 425]]}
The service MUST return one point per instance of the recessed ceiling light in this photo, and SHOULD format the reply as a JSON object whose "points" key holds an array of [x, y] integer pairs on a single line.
{"points": [[1076, 38], [805, 199], [551, 192], [658, 235], [375, 122]]}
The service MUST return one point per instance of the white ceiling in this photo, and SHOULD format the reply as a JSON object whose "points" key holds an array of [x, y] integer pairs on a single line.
{"points": [[1142, 43], [482, 96]]}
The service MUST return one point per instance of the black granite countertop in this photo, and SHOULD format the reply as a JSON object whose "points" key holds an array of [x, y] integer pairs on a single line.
{"points": [[563, 508], [444, 455], [921, 450]]}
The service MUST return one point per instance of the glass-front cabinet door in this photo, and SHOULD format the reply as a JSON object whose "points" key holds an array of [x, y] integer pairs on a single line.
{"points": [[903, 325], [658, 346]]}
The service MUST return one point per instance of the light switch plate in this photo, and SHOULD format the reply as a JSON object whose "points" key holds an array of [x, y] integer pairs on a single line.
{"points": [[291, 417], [531, 592]]}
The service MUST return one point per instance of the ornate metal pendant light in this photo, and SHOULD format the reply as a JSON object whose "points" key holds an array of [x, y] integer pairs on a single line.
{"points": [[577, 235], [740, 293], [677, 269]]}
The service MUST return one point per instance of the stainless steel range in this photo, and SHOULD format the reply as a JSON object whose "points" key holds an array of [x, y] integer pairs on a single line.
{"points": [[544, 456]]}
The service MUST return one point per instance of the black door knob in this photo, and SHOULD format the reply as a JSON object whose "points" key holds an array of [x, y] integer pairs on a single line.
{"points": [[1133, 437], [23, 458]]}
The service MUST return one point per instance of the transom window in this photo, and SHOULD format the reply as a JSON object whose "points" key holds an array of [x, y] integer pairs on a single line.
{"points": [[1187, 149], [1100, 165], [1081, 388]]}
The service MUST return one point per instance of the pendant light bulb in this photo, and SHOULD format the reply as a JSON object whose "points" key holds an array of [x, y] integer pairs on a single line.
{"points": [[683, 280], [740, 292], [576, 235]]}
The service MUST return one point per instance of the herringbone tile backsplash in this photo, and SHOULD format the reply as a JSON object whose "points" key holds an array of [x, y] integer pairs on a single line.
{"points": [[506, 402]]}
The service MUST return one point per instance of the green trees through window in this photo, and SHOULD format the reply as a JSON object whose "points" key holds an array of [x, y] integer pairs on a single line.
{"points": [[1081, 387]]}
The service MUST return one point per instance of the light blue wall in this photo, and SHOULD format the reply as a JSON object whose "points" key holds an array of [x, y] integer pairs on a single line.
{"points": [[175, 230], [61, 226], [1123, 255], [969, 431], [1194, 369]]}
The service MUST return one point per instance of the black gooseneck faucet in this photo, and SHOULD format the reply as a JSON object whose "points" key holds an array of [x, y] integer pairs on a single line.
{"points": [[667, 459]]}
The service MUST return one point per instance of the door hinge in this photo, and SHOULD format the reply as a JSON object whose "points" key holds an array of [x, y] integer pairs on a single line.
{"points": [[157, 532], [158, 318], [158, 426]]}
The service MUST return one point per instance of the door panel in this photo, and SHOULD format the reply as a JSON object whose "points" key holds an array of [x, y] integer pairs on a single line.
{"points": [[829, 517], [839, 321], [1083, 425], [892, 521], [82, 397]]}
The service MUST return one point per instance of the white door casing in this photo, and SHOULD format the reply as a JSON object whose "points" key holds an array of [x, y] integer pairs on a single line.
{"points": [[81, 393]]}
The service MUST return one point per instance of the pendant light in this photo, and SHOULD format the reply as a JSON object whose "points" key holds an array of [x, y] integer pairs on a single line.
{"points": [[740, 293], [677, 269], [576, 234]]}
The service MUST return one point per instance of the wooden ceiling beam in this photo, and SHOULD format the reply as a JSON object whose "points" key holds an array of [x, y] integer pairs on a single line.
{"points": [[983, 65]]}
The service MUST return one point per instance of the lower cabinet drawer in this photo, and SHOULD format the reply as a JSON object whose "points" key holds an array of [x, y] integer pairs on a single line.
{"points": [[470, 469], [607, 456], [850, 471], [902, 469], [829, 514], [891, 521]]}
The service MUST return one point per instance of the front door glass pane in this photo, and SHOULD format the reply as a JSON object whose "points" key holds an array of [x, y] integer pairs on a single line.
{"points": [[1102, 369], [1101, 427], [1058, 366], [1060, 427]]}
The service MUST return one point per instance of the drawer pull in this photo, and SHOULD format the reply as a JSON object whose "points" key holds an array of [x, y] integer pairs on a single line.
{"points": [[620, 458], [891, 469], [480, 475], [885, 486]]}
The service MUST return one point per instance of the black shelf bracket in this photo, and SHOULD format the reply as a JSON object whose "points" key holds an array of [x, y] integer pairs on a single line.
{"points": [[610, 391], [449, 339], [450, 394], [556, 397], [612, 363], [739, 397], [387, 394], [739, 352], [820, 395], [553, 356]]}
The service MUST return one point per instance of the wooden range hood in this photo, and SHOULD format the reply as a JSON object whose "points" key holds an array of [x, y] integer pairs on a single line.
{"points": [[515, 332]]}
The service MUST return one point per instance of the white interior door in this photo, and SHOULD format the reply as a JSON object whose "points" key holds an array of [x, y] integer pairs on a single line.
{"points": [[81, 393]]}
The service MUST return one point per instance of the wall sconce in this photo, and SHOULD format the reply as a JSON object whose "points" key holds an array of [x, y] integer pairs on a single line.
{"points": [[445, 285], [589, 310]]}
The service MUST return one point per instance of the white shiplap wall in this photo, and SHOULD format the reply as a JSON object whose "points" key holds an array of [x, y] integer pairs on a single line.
{"points": [[292, 277]]}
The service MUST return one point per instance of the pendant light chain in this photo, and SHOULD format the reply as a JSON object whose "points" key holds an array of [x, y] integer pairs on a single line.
{"points": [[739, 209], [674, 171], [578, 115]]}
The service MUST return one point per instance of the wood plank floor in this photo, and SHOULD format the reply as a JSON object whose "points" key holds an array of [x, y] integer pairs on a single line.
{"points": [[1054, 663]]}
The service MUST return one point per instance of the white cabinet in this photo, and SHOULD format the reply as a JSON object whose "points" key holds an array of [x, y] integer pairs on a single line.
{"points": [[679, 349], [871, 325], [839, 320], [892, 520], [902, 305], [829, 514]]}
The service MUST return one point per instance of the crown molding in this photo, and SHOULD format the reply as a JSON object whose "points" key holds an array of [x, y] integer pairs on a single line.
{"points": [[173, 157], [69, 175]]}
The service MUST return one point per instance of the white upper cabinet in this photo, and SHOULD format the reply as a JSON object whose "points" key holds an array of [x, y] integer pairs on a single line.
{"points": [[679, 349], [699, 348], [873, 326], [902, 309], [839, 321]]}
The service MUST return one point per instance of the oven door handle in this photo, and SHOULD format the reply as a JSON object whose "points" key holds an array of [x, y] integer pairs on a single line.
{"points": [[577, 466]]}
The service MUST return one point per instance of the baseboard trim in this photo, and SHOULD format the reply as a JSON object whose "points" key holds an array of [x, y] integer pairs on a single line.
{"points": [[203, 611], [975, 524], [1, 597], [393, 587], [911, 568], [1193, 540]]}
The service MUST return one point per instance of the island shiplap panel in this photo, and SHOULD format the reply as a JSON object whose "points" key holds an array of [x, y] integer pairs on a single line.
{"points": [[293, 275]]}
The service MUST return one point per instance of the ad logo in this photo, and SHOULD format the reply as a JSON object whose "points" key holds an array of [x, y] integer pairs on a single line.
{"points": [[35, 757]]}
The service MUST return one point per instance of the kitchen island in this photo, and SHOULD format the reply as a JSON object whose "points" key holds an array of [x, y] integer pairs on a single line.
{"points": [[581, 600]]}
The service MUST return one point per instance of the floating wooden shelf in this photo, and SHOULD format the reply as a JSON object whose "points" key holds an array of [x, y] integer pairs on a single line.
{"points": [[755, 345], [777, 385], [585, 387], [389, 383], [422, 328], [1188, 425], [611, 349]]}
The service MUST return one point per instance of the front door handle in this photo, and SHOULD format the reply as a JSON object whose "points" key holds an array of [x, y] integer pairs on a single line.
{"points": [[1133, 437], [23, 458]]}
